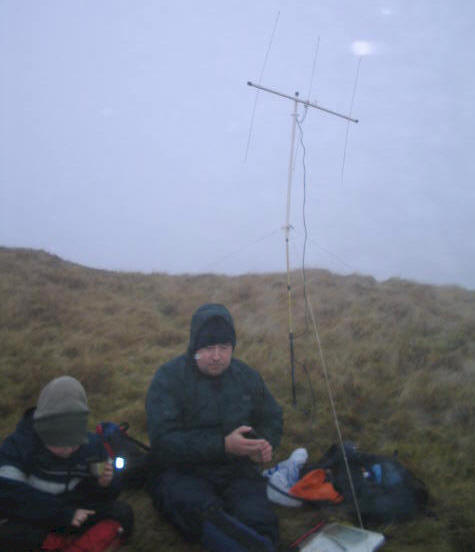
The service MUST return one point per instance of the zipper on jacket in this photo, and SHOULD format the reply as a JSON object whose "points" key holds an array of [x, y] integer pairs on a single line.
{"points": [[68, 477]]}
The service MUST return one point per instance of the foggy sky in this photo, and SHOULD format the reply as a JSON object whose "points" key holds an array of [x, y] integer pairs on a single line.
{"points": [[123, 131]]}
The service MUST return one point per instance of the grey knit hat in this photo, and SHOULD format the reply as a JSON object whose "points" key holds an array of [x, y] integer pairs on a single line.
{"points": [[60, 418]]}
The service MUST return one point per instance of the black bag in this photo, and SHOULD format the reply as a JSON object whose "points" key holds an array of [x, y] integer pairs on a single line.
{"points": [[131, 457], [385, 490]]}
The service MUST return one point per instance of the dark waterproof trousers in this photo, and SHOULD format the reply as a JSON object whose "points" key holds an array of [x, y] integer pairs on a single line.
{"points": [[186, 498]]}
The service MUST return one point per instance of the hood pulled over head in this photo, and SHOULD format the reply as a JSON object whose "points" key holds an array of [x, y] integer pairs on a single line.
{"points": [[211, 324]]}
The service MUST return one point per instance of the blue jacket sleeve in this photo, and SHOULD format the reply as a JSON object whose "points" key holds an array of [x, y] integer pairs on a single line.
{"points": [[17, 497], [28, 492], [23, 501]]}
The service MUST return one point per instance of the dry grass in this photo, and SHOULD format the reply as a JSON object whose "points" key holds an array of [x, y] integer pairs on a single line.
{"points": [[401, 358]]}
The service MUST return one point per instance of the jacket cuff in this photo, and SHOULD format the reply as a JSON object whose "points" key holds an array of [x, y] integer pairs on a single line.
{"points": [[66, 516]]}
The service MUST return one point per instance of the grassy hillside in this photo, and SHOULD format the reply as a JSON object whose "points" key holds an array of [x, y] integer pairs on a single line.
{"points": [[401, 358]]}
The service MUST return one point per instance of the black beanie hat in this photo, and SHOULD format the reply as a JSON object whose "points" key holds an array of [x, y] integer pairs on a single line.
{"points": [[215, 331]]}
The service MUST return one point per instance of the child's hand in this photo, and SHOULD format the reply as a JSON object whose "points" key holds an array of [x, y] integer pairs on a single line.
{"points": [[107, 474], [80, 516]]}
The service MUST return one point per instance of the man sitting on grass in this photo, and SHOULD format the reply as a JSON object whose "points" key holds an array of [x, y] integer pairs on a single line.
{"points": [[202, 407], [49, 499]]}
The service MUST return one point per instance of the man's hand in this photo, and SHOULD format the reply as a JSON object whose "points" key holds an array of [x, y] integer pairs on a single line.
{"points": [[258, 450], [107, 474], [263, 455], [80, 516]]}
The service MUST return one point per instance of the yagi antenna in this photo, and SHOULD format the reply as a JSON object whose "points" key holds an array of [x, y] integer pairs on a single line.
{"points": [[287, 226], [297, 100]]}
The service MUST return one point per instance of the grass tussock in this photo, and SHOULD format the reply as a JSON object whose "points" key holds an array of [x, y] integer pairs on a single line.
{"points": [[400, 358]]}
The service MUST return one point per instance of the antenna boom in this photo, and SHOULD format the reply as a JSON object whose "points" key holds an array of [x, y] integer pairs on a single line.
{"points": [[304, 102]]}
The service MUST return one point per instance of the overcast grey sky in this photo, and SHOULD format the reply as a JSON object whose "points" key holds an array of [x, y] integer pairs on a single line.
{"points": [[123, 131]]}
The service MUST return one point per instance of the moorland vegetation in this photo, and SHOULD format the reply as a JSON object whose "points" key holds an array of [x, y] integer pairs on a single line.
{"points": [[400, 356]]}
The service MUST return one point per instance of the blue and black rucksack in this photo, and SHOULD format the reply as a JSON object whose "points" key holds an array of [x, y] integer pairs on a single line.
{"points": [[385, 490], [131, 457]]}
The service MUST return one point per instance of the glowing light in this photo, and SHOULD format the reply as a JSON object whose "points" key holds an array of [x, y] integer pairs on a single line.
{"points": [[362, 48], [119, 463]]}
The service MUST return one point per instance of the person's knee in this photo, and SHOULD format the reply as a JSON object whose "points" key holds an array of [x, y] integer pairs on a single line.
{"points": [[124, 514], [176, 490], [182, 499], [258, 515], [117, 511], [222, 531]]}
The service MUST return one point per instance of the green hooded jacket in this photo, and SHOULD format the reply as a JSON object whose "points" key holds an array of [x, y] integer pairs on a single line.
{"points": [[189, 413]]}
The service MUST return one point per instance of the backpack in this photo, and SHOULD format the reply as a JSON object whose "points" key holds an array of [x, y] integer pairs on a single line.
{"points": [[131, 457], [385, 490]]}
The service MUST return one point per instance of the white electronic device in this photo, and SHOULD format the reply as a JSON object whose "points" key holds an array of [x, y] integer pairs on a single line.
{"points": [[336, 537]]}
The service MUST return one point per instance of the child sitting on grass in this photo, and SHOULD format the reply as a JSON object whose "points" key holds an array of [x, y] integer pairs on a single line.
{"points": [[49, 497]]}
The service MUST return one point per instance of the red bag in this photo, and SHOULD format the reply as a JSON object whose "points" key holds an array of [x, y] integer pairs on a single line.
{"points": [[105, 535], [55, 542]]}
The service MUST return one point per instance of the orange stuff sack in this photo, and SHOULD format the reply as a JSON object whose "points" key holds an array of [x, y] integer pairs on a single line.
{"points": [[314, 487]]}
